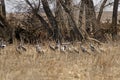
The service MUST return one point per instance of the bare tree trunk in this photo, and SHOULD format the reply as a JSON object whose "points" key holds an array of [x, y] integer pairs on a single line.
{"points": [[101, 11], [114, 19], [3, 8], [58, 11], [70, 15], [52, 20], [91, 23], [68, 4], [81, 13], [6, 29], [60, 19], [73, 36]]}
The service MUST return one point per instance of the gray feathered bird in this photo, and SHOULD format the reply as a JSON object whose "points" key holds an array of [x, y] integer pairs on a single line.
{"points": [[92, 47], [39, 49], [76, 51], [20, 48], [2, 44], [84, 50], [52, 47], [63, 48]]}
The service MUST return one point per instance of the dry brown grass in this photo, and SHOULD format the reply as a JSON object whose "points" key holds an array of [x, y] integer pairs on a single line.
{"points": [[60, 66]]}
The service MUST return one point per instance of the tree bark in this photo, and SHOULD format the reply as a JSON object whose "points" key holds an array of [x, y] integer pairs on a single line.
{"points": [[90, 17], [101, 11], [73, 36], [6, 29], [68, 4], [52, 20], [81, 13], [3, 8], [114, 19], [73, 24], [60, 19]]}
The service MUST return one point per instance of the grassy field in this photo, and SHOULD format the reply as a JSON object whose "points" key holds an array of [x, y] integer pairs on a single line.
{"points": [[60, 66]]}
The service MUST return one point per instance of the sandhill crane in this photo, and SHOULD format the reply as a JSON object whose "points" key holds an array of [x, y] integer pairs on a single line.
{"points": [[69, 49], [39, 49], [76, 51], [58, 45], [92, 47], [63, 48], [20, 48], [52, 47], [72, 49], [55, 46], [2, 44], [84, 50]]}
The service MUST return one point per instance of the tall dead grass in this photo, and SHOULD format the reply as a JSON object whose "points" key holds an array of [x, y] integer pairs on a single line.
{"points": [[60, 66]]}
